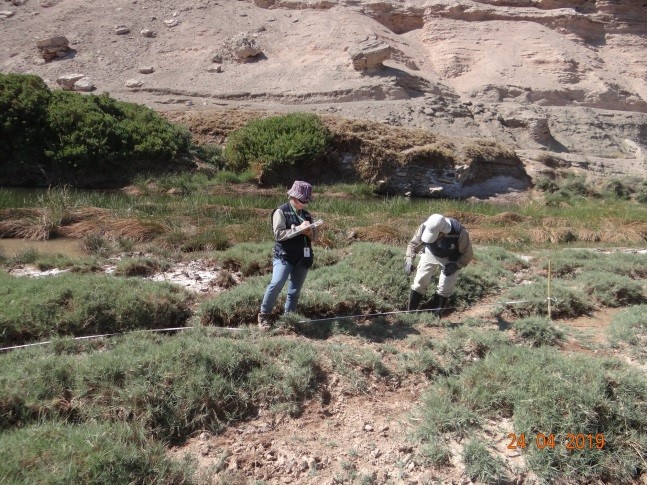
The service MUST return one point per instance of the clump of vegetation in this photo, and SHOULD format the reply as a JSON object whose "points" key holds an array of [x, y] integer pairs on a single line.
{"points": [[538, 331], [93, 453], [142, 267], [271, 145], [567, 189], [38, 308], [58, 137], [542, 391], [466, 345], [532, 300], [439, 414], [480, 465], [630, 326], [612, 290], [170, 387]]}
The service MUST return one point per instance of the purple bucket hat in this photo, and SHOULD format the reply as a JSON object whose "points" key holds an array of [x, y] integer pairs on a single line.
{"points": [[302, 191]]}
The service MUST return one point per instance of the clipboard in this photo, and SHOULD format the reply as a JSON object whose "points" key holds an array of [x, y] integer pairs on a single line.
{"points": [[316, 223]]}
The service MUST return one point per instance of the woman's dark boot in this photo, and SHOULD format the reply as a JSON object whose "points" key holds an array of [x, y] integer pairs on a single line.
{"points": [[414, 300]]}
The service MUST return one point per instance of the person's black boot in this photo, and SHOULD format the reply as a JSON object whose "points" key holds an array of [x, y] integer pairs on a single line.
{"points": [[438, 304], [414, 300]]}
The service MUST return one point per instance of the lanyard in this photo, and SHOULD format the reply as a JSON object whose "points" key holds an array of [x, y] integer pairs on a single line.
{"points": [[301, 219]]}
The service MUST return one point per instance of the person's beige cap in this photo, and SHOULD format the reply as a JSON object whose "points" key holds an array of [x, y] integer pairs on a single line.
{"points": [[434, 226]]}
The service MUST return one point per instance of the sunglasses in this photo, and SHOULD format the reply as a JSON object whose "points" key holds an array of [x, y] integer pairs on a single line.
{"points": [[303, 201]]}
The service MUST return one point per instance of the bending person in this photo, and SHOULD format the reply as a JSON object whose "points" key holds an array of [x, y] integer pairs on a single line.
{"points": [[445, 244]]}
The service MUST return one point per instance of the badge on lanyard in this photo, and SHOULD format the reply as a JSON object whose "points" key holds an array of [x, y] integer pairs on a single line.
{"points": [[306, 252]]}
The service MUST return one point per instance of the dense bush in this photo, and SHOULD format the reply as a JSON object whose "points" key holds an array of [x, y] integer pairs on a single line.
{"points": [[271, 144], [63, 137], [23, 126]]}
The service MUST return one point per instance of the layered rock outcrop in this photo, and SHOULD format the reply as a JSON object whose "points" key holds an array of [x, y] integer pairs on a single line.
{"points": [[551, 79]]}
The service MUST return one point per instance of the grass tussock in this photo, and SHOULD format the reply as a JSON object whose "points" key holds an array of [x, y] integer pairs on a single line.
{"points": [[542, 391], [378, 233], [612, 290], [532, 300], [75, 305], [24, 223], [208, 382], [630, 327], [538, 331], [92, 453], [110, 228], [480, 463]]}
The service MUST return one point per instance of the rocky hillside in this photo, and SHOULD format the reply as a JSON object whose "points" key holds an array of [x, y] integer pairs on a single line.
{"points": [[561, 82]]}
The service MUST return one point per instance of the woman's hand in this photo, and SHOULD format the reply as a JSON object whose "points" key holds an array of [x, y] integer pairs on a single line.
{"points": [[306, 230]]}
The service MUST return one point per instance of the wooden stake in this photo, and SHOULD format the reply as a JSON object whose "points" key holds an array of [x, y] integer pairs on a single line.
{"points": [[550, 318]]}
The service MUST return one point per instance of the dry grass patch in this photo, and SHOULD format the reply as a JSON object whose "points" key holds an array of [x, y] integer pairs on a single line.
{"points": [[380, 233], [487, 235], [113, 228], [508, 218], [24, 224]]}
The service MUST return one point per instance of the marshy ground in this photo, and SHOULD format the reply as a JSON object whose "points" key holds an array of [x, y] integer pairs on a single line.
{"points": [[393, 398]]}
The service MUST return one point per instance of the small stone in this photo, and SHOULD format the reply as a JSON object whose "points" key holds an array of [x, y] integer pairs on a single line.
{"points": [[134, 83]]}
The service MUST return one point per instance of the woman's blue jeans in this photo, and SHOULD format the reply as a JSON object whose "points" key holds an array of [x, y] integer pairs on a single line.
{"points": [[282, 270]]}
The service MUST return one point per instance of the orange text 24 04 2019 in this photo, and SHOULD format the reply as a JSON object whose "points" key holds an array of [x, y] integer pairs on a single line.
{"points": [[570, 441]]}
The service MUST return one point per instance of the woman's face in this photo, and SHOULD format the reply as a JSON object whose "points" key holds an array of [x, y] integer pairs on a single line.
{"points": [[298, 204]]}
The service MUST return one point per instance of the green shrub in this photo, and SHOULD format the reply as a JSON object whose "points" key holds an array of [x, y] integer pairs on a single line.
{"points": [[98, 138], [211, 154], [538, 331], [274, 143], [92, 453], [62, 137], [24, 132], [619, 189]]}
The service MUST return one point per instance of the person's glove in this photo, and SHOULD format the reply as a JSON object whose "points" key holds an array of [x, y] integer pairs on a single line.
{"points": [[450, 269], [408, 267]]}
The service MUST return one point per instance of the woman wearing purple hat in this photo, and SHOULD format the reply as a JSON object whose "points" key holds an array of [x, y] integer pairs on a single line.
{"points": [[292, 252]]}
